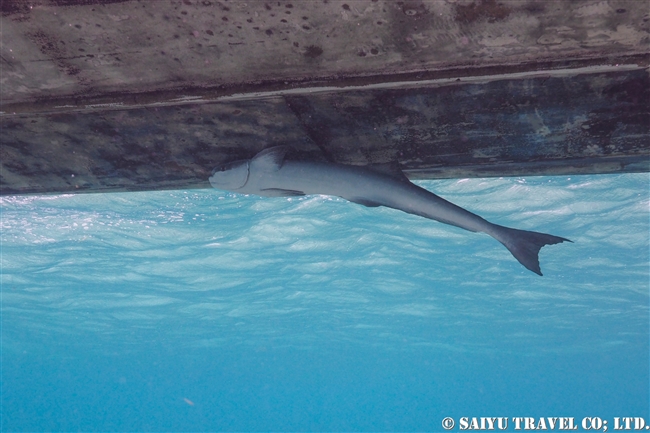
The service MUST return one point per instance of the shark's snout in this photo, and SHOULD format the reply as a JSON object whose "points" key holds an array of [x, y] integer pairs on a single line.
{"points": [[232, 176]]}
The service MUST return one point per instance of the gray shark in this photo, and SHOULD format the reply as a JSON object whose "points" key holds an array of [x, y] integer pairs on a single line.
{"points": [[270, 174]]}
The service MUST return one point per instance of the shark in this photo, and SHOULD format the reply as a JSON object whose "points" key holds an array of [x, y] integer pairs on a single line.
{"points": [[271, 174]]}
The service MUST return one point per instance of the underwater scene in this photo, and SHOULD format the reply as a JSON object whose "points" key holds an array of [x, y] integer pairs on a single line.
{"points": [[204, 310]]}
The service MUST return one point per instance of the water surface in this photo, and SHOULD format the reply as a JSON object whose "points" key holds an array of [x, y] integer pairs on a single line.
{"points": [[203, 310]]}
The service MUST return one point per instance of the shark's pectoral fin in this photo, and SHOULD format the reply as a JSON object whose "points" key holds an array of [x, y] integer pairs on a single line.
{"points": [[364, 202], [270, 159], [278, 192], [391, 169]]}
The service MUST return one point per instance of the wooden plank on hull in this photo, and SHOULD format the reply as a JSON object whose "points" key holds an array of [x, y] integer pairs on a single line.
{"points": [[567, 122]]}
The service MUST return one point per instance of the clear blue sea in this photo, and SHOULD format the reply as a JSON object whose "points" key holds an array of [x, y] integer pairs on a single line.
{"points": [[202, 310]]}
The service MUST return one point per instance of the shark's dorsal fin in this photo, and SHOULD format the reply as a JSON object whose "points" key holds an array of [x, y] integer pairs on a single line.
{"points": [[270, 159], [391, 169]]}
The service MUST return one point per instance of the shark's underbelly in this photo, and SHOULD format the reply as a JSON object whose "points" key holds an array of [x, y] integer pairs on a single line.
{"points": [[365, 186]]}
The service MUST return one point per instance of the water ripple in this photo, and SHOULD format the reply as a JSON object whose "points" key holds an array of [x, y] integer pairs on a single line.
{"points": [[205, 268]]}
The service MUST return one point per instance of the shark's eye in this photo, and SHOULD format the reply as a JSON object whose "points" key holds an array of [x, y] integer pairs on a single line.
{"points": [[219, 169]]}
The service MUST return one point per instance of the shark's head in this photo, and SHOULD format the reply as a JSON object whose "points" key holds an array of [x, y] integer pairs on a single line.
{"points": [[231, 176]]}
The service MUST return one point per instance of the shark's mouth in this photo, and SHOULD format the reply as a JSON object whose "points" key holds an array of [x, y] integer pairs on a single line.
{"points": [[248, 173]]}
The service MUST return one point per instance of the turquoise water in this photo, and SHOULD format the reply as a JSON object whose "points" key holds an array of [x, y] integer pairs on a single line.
{"points": [[207, 311]]}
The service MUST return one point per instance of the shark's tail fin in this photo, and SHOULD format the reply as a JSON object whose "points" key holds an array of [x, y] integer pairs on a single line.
{"points": [[525, 245]]}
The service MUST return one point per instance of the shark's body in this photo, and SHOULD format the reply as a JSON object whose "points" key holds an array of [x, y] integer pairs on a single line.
{"points": [[269, 174]]}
